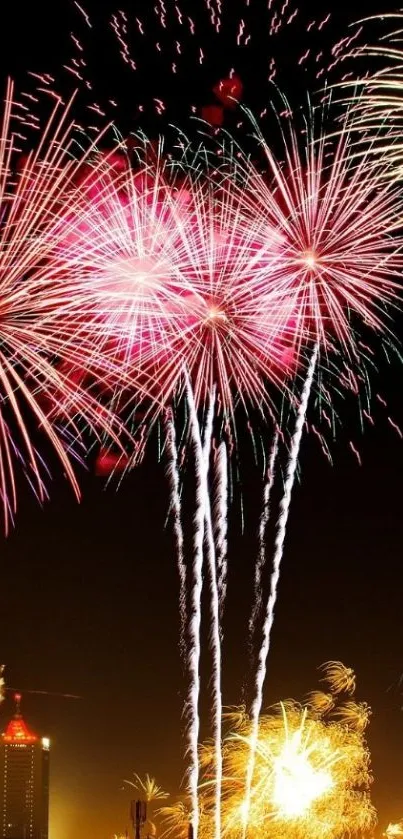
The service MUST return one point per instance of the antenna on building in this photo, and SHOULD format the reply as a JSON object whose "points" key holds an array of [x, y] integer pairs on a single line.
{"points": [[17, 700], [138, 813]]}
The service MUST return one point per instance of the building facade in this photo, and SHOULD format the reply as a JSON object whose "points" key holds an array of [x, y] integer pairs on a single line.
{"points": [[24, 781]]}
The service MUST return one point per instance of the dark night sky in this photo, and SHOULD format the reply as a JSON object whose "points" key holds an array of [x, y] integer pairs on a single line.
{"points": [[88, 597]]}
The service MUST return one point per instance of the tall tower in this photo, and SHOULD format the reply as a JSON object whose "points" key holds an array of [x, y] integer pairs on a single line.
{"points": [[24, 781]]}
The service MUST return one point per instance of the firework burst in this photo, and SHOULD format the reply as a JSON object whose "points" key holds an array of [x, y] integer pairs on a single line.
{"points": [[311, 777], [339, 253], [119, 241], [394, 829], [40, 335], [174, 270], [339, 678]]}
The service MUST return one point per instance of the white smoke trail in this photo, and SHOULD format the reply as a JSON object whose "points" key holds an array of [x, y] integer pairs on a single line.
{"points": [[221, 524], [278, 555], [215, 635], [261, 557], [201, 516], [172, 472]]}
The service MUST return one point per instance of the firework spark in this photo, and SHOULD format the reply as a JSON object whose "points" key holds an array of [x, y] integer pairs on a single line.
{"points": [[120, 242], [184, 43], [176, 819], [233, 317]]}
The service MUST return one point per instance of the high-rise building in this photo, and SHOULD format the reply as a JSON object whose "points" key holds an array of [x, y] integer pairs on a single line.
{"points": [[24, 781]]}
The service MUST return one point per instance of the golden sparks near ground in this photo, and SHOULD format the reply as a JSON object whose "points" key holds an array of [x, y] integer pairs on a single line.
{"points": [[147, 787], [394, 829], [311, 777]]}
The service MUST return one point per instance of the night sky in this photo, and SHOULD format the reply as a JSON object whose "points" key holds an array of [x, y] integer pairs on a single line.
{"points": [[88, 593]]}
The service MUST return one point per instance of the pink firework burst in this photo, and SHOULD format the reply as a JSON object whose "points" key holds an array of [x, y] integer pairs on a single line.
{"points": [[174, 267], [234, 325], [119, 240], [40, 397], [339, 224]]}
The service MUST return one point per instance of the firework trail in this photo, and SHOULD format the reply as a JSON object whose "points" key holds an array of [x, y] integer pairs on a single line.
{"points": [[201, 515], [278, 555], [261, 557], [221, 523], [215, 635], [172, 470]]}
